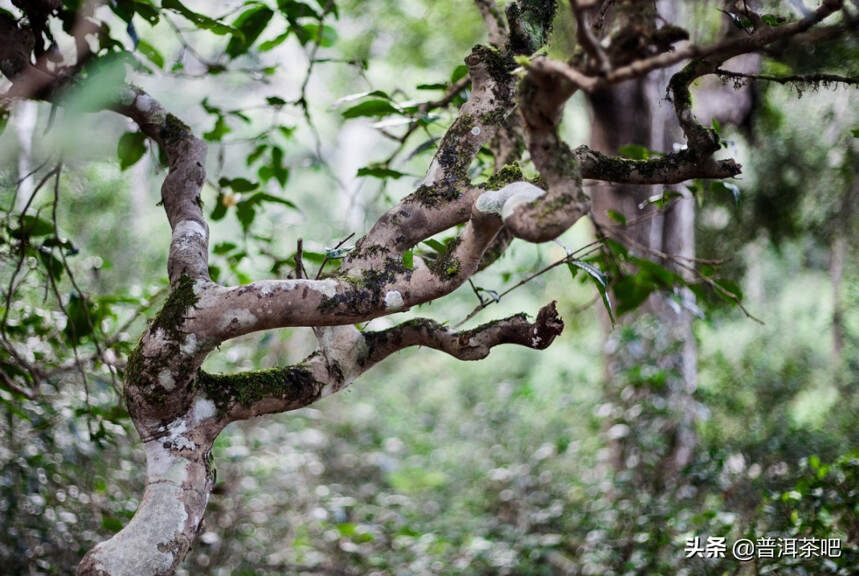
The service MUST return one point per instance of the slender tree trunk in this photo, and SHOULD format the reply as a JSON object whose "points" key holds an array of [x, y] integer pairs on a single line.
{"points": [[635, 113], [25, 125]]}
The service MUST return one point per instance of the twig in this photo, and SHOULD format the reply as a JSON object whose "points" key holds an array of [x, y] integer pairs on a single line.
{"points": [[584, 250], [325, 260], [299, 267]]}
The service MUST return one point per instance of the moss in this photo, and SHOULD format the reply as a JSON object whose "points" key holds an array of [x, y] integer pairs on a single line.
{"points": [[173, 130], [447, 266], [550, 207], [530, 24], [134, 366], [294, 384], [507, 174], [451, 155], [499, 66], [367, 292], [435, 195], [361, 252], [494, 117], [173, 313]]}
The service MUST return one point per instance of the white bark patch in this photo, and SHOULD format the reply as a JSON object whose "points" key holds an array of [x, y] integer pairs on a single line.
{"points": [[504, 200], [161, 465], [327, 287], [186, 230], [343, 345], [433, 173], [182, 443], [393, 300], [237, 318], [189, 345], [203, 409], [144, 547], [165, 379]]}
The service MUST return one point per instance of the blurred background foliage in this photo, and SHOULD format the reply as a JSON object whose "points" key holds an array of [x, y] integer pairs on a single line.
{"points": [[427, 465]]}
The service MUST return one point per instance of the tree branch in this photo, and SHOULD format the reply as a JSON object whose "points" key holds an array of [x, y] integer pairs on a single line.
{"points": [[250, 394], [668, 169], [180, 192], [495, 23]]}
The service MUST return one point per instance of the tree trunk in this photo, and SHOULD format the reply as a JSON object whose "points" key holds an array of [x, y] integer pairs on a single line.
{"points": [[635, 113]]}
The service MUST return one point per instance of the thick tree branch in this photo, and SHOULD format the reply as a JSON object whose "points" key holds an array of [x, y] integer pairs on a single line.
{"points": [[473, 344], [347, 353], [668, 169]]}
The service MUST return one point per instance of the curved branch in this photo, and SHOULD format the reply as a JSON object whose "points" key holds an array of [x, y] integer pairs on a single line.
{"points": [[473, 344], [445, 197], [250, 394], [722, 51], [180, 192], [668, 169]]}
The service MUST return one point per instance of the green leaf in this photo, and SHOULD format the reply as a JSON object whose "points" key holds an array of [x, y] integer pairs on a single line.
{"points": [[218, 131], [660, 200], [274, 42], [238, 184], [617, 217], [151, 53], [246, 213], [275, 101], [720, 186], [854, 131], [80, 313], [599, 279], [326, 39], [380, 172], [715, 125], [224, 248], [635, 152], [130, 149], [630, 292], [359, 95], [730, 287], [656, 273], [251, 22], [375, 108], [32, 226], [409, 259], [220, 209], [265, 197], [294, 10], [111, 524], [256, 154], [275, 169], [435, 244], [199, 20], [459, 72]]}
